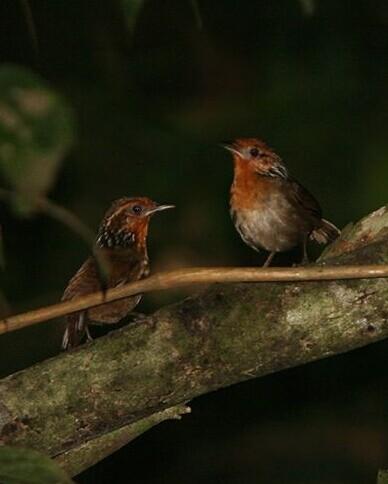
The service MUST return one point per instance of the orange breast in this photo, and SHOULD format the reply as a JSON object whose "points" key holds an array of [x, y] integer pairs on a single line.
{"points": [[248, 190]]}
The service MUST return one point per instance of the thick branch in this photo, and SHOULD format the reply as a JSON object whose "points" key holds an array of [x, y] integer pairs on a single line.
{"points": [[227, 334]]}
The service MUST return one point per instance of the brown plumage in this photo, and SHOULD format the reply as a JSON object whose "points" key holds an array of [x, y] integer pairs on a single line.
{"points": [[122, 245], [269, 208]]}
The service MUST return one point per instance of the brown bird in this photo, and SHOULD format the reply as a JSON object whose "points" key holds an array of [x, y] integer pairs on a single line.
{"points": [[269, 208], [122, 245]]}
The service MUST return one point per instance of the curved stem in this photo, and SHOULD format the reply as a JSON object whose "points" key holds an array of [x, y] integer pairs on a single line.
{"points": [[195, 275]]}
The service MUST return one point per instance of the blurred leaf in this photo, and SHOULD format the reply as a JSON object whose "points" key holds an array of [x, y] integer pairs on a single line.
{"points": [[131, 11], [26, 466], [308, 6], [36, 131], [197, 13], [382, 477]]}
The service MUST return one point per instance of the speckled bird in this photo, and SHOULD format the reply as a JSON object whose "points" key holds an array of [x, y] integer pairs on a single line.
{"points": [[122, 244], [269, 208]]}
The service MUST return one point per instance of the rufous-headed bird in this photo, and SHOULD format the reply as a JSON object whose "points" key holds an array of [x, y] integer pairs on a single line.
{"points": [[121, 244], [269, 208]]}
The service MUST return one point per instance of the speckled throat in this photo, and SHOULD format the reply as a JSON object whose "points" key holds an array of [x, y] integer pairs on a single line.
{"points": [[111, 239]]}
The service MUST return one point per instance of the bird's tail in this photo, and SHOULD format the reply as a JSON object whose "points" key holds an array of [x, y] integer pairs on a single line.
{"points": [[326, 233], [75, 331]]}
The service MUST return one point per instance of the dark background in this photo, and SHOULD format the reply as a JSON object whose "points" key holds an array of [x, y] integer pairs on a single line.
{"points": [[152, 102]]}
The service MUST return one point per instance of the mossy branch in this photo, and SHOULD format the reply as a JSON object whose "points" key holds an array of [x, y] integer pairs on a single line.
{"points": [[224, 335]]}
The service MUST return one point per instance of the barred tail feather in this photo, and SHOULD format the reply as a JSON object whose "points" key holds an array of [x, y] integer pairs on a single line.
{"points": [[326, 233], [75, 331]]}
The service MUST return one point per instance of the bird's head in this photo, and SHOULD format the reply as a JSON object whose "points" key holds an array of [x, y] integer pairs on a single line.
{"points": [[125, 224], [255, 154]]}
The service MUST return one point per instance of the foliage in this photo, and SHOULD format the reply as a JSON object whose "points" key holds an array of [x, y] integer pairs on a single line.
{"points": [[36, 132], [26, 466], [382, 477]]}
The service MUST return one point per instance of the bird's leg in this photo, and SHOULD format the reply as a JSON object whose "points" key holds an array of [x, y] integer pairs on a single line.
{"points": [[269, 259], [305, 259], [89, 337]]}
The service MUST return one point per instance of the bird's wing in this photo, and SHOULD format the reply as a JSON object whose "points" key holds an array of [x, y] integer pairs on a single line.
{"points": [[85, 281], [123, 266], [303, 198]]}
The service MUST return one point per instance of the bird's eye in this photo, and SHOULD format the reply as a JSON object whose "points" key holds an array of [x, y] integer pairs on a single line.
{"points": [[137, 209], [254, 152]]}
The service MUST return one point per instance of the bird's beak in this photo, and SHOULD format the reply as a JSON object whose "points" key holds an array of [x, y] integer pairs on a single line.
{"points": [[159, 208], [230, 147]]}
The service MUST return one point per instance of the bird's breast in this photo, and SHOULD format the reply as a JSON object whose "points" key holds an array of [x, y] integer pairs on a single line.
{"points": [[271, 223]]}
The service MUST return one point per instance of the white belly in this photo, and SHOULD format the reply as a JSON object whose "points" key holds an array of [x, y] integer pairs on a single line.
{"points": [[277, 228]]}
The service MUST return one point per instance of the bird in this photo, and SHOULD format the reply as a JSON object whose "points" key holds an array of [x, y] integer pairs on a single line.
{"points": [[270, 209], [121, 244]]}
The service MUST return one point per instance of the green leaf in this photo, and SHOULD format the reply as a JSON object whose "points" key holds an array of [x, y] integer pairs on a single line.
{"points": [[36, 132], [26, 466], [308, 6], [131, 10], [382, 477]]}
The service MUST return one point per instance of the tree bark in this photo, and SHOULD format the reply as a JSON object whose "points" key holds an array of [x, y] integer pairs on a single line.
{"points": [[85, 455], [85, 399]]}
